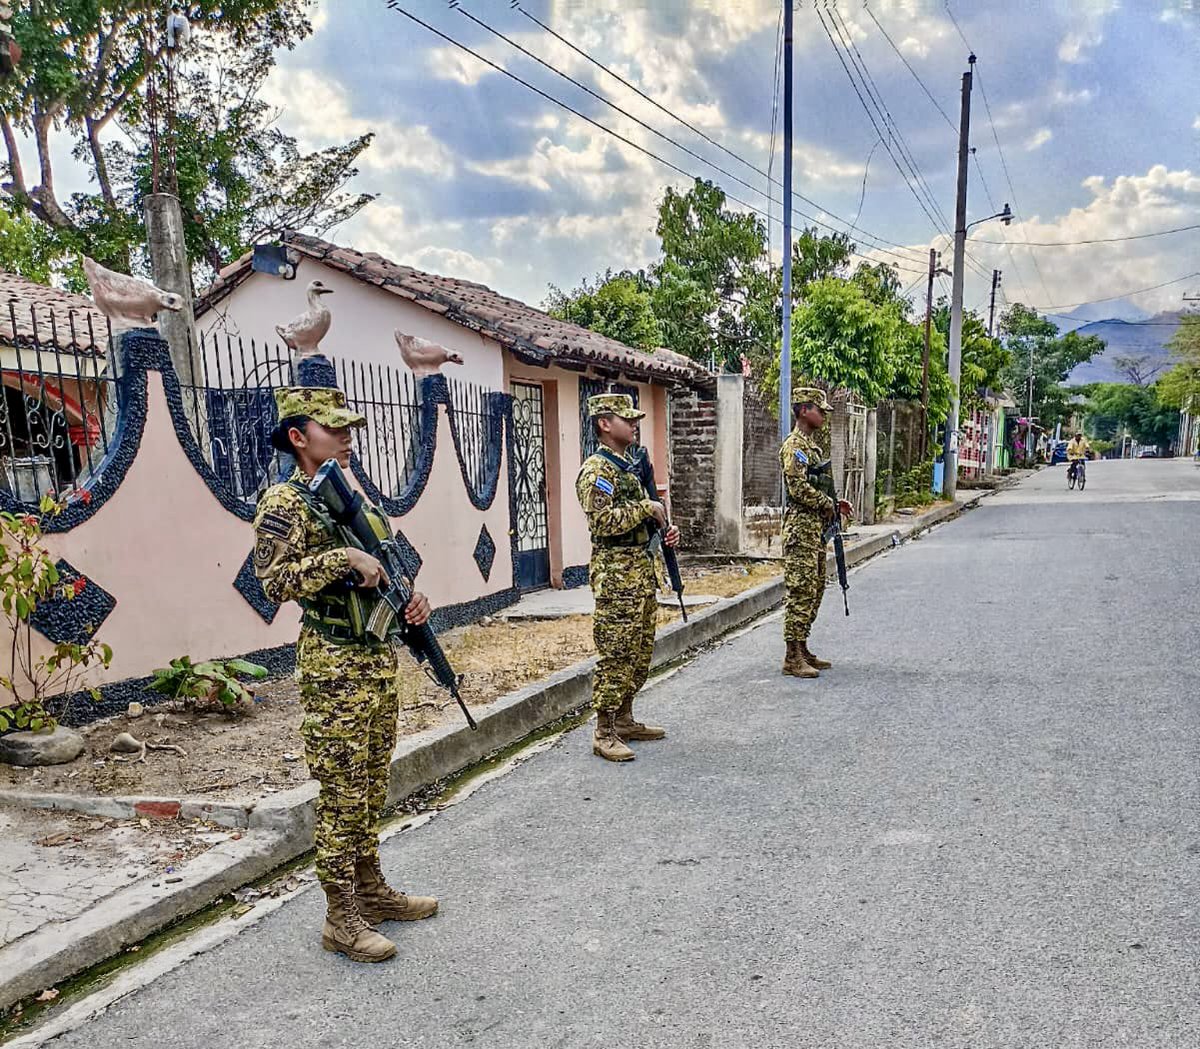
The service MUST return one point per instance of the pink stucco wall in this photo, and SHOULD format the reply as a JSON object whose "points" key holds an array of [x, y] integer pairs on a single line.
{"points": [[167, 550]]}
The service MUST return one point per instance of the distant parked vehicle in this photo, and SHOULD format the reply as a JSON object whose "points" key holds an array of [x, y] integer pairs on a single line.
{"points": [[1148, 453], [1059, 453]]}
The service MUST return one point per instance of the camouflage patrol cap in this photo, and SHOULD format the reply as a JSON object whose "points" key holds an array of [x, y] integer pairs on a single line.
{"points": [[810, 395], [614, 404], [323, 404]]}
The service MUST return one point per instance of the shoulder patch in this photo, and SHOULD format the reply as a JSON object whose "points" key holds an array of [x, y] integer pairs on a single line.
{"points": [[801, 456], [274, 524], [605, 485]]}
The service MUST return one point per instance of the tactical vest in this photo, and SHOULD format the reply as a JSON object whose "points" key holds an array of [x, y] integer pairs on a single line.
{"points": [[340, 612], [640, 534]]}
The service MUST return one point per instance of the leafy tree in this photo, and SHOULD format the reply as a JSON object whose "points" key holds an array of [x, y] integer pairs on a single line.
{"points": [[1114, 407], [90, 66], [713, 262], [617, 305], [1030, 337]]}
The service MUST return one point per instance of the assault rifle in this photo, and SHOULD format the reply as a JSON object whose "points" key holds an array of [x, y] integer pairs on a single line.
{"points": [[643, 469], [345, 506], [821, 478]]}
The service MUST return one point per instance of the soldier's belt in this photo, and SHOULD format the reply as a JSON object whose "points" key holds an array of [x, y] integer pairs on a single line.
{"points": [[618, 542]]}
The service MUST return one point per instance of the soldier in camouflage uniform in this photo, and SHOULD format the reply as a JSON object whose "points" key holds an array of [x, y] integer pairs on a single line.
{"points": [[347, 682], [807, 515], [623, 577]]}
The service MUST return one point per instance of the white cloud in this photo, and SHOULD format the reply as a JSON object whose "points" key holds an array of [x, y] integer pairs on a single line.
{"points": [[1038, 139], [1125, 206], [1196, 123], [316, 109], [910, 45]]}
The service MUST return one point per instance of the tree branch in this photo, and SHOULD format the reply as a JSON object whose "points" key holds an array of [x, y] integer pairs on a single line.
{"points": [[14, 158]]}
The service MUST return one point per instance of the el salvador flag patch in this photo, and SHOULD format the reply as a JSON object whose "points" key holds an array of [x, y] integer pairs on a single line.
{"points": [[800, 456], [605, 485]]}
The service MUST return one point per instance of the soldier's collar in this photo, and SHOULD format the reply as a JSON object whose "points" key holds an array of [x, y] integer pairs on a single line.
{"points": [[620, 462]]}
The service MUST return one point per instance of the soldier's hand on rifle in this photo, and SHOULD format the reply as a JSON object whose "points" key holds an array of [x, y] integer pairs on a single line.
{"points": [[660, 513], [672, 537], [369, 570], [845, 509], [417, 610]]}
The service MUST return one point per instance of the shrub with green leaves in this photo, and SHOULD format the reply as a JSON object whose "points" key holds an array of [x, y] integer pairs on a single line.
{"points": [[214, 681], [29, 578]]}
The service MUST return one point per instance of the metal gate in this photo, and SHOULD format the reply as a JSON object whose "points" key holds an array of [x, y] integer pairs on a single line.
{"points": [[529, 469], [847, 449]]}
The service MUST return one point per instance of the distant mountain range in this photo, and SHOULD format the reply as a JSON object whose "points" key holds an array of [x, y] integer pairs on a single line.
{"points": [[1115, 310], [1133, 334]]}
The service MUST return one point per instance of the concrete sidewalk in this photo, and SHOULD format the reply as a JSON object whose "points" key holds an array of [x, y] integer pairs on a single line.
{"points": [[128, 896]]}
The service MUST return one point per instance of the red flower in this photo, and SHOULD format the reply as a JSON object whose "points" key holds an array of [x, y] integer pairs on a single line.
{"points": [[78, 585], [29, 521], [85, 496]]}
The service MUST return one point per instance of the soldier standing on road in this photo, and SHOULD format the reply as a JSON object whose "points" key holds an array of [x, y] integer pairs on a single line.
{"points": [[807, 515], [622, 575], [347, 680]]}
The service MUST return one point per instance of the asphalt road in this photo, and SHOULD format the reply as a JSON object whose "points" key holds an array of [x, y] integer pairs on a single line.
{"points": [[978, 830]]}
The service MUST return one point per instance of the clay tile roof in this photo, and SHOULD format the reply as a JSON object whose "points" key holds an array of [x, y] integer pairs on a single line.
{"points": [[57, 318], [527, 332]]}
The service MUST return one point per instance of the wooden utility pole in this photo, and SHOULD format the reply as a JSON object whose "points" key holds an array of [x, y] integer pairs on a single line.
{"points": [[992, 308], [933, 258]]}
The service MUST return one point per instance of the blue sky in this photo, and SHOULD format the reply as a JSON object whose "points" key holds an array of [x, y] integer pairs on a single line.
{"points": [[1094, 102]]}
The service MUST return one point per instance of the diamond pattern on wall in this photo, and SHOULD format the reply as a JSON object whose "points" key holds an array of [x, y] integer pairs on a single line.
{"points": [[485, 552]]}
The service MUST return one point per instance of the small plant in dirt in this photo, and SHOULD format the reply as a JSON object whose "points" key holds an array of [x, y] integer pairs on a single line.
{"points": [[29, 578], [212, 683]]}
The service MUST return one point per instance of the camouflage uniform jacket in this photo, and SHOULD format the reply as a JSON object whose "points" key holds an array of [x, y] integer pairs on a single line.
{"points": [[799, 451], [617, 510]]}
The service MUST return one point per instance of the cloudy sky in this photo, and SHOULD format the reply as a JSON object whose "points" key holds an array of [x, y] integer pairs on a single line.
{"points": [[1093, 103]]}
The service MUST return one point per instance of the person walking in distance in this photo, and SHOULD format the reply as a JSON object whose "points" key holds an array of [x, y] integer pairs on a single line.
{"points": [[347, 679], [622, 575], [805, 518]]}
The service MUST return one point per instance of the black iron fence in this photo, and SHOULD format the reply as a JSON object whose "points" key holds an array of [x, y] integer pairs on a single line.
{"points": [[61, 404], [60, 400]]}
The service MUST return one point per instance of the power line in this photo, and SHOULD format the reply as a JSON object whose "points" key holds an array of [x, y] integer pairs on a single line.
{"points": [[686, 123], [915, 74], [1094, 240], [393, 5], [875, 123], [938, 219], [992, 203], [1119, 295], [889, 120]]}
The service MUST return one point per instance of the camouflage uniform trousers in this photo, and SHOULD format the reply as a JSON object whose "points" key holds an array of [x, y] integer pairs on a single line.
{"points": [[350, 707], [803, 573], [625, 586]]}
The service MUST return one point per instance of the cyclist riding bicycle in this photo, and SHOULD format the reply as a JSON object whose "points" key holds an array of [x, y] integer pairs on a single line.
{"points": [[1078, 452]]}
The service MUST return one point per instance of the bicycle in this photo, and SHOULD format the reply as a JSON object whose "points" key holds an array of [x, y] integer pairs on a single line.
{"points": [[1077, 474]]}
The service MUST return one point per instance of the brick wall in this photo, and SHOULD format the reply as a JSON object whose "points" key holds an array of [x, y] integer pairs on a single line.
{"points": [[693, 435], [760, 451]]}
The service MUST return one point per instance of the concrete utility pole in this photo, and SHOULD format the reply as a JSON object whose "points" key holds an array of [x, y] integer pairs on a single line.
{"points": [[785, 350], [992, 308], [950, 453]]}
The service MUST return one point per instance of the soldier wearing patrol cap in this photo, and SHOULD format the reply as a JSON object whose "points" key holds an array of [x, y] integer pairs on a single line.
{"points": [[347, 682], [808, 513], [622, 575]]}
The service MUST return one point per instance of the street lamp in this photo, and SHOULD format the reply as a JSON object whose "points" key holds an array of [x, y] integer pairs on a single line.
{"points": [[950, 451]]}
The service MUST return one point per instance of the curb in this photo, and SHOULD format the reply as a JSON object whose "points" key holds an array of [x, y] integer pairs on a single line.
{"points": [[281, 825]]}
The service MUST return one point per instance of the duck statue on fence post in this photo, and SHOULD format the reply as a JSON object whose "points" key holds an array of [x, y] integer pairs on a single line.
{"points": [[424, 358], [127, 301], [303, 334]]}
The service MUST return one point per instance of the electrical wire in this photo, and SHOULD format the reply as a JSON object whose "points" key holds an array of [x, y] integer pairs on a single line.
{"points": [[1093, 240]]}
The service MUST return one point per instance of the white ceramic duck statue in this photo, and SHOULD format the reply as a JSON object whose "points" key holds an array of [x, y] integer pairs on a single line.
{"points": [[303, 334], [126, 301], [425, 358]]}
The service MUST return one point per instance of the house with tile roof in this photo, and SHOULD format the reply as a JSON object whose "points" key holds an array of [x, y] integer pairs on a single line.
{"points": [[549, 368], [58, 405]]}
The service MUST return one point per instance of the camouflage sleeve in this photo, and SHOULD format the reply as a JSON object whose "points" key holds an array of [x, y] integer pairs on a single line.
{"points": [[596, 487], [287, 573], [795, 473]]}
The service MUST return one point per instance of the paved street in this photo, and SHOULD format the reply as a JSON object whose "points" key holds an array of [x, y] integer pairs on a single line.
{"points": [[978, 830]]}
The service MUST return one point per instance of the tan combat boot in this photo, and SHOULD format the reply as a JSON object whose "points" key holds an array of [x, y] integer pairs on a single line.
{"points": [[811, 660], [606, 743], [795, 665], [345, 931], [378, 902], [628, 729]]}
